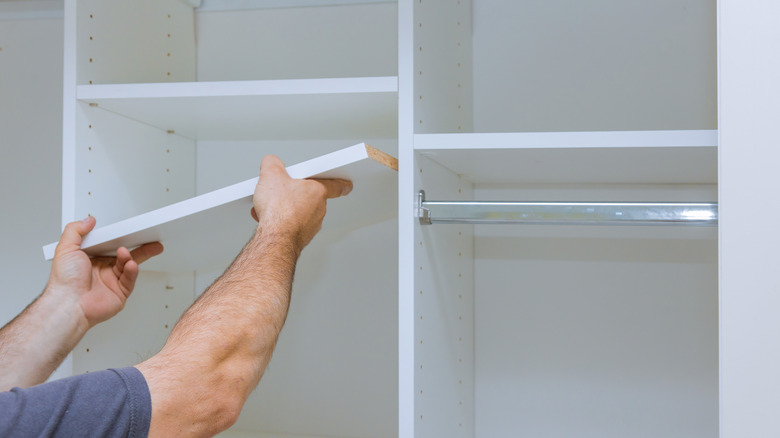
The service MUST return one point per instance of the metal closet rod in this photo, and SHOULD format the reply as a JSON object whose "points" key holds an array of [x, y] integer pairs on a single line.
{"points": [[565, 213]]}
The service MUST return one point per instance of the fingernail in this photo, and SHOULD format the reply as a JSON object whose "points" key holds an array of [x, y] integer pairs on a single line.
{"points": [[86, 219], [346, 190]]}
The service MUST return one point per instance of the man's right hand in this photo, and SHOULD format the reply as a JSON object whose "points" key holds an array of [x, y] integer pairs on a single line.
{"points": [[292, 207]]}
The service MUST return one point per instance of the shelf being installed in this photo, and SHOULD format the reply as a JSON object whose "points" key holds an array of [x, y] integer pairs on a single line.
{"points": [[251, 110], [208, 229], [621, 157]]}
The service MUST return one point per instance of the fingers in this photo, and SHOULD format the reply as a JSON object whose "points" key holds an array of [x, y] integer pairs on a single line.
{"points": [[74, 234], [122, 257], [335, 187], [128, 277], [144, 252], [271, 164], [126, 271]]}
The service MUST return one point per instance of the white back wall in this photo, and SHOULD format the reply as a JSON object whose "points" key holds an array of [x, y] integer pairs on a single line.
{"points": [[30, 155]]}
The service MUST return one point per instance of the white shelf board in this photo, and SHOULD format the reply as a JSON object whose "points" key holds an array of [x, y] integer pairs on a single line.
{"points": [[208, 229], [253, 110], [615, 157]]}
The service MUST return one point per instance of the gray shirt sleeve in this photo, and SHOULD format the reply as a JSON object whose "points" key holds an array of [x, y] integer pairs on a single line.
{"points": [[111, 403]]}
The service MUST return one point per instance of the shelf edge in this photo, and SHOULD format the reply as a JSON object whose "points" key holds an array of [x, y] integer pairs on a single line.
{"points": [[379, 84], [567, 140]]}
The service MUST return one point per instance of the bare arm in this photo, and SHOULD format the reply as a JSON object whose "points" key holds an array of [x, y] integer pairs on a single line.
{"points": [[218, 351], [81, 292]]}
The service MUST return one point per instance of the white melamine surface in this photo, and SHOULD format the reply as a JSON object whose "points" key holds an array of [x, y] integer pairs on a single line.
{"points": [[594, 166], [292, 42], [133, 41], [749, 288], [568, 65], [206, 229], [636, 157], [595, 331], [250, 110], [443, 315]]}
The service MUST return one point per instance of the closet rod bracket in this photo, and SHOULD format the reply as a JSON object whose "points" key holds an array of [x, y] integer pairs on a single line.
{"points": [[565, 213], [423, 213]]}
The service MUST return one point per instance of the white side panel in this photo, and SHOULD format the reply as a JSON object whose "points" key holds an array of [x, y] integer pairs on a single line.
{"points": [[568, 65], [444, 315], [140, 330], [406, 221], [595, 331], [298, 43], [750, 302], [135, 41], [125, 168], [442, 66]]}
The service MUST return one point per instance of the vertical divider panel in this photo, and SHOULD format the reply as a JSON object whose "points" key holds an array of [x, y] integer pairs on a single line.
{"points": [[406, 222], [442, 66], [444, 313], [135, 41]]}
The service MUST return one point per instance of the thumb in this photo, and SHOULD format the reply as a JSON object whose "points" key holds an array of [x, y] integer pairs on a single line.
{"points": [[73, 235]]}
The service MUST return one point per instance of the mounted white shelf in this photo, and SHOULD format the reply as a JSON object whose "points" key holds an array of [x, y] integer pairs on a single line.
{"points": [[622, 157], [213, 227], [250, 110]]}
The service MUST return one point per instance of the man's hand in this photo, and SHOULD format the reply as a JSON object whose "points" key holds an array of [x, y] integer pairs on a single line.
{"points": [[292, 207], [101, 285], [81, 293]]}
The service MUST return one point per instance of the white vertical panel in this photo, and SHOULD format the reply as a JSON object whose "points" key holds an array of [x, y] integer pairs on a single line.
{"points": [[749, 289], [124, 168], [442, 66], [406, 230], [443, 314], [135, 41]]}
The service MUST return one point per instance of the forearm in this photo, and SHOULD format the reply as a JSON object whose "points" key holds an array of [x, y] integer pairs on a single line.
{"points": [[237, 321], [219, 349], [36, 342]]}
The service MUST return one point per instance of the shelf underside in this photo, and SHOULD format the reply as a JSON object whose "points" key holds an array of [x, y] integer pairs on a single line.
{"points": [[252, 110], [619, 157]]}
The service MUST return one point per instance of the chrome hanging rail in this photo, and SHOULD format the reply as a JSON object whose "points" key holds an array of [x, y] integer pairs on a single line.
{"points": [[565, 213]]}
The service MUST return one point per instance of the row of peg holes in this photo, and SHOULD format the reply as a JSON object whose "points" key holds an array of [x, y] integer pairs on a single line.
{"points": [[460, 317], [91, 38], [460, 107], [167, 170]]}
